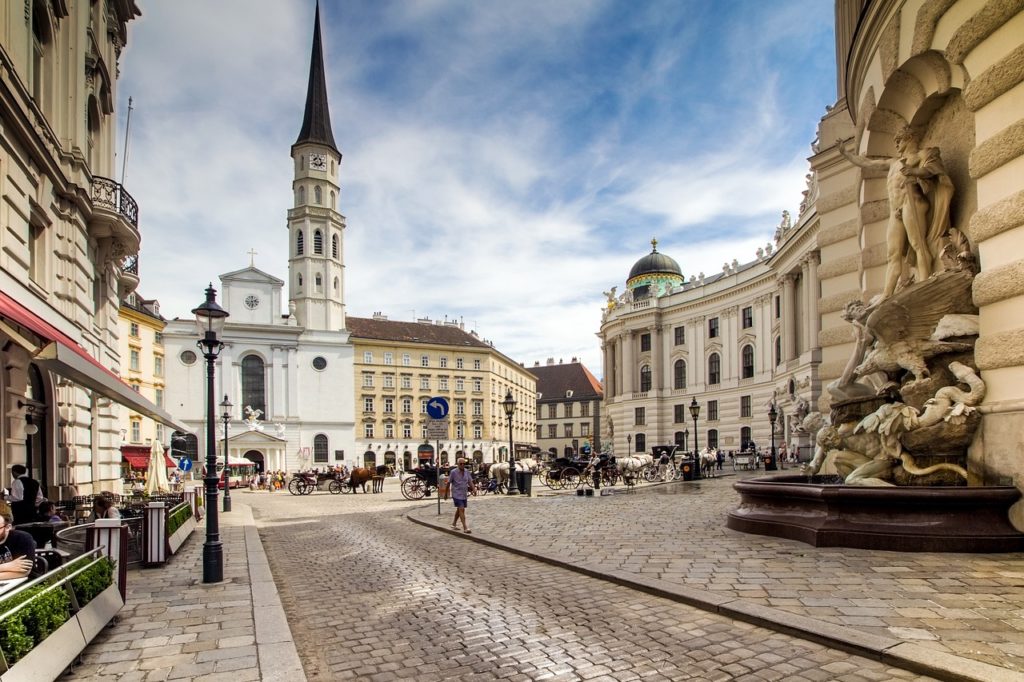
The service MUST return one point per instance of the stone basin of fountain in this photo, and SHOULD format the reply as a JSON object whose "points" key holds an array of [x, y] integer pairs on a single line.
{"points": [[822, 513]]}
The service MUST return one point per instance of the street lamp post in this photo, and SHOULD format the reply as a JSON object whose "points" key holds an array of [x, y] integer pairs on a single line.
{"points": [[773, 414], [225, 416], [686, 439], [209, 323], [695, 412], [629, 445], [509, 405]]}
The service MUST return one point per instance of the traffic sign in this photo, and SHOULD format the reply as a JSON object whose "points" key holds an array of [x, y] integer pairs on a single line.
{"points": [[437, 429], [437, 408], [185, 464]]}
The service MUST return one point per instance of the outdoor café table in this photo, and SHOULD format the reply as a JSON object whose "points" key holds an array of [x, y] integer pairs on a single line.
{"points": [[10, 584]]}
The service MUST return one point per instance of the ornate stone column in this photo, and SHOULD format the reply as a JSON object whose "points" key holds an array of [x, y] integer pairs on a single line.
{"points": [[813, 316], [277, 383], [628, 364], [788, 316], [657, 359], [292, 382]]}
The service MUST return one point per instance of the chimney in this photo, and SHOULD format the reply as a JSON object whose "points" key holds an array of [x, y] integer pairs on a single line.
{"points": [[551, 361], [379, 316]]}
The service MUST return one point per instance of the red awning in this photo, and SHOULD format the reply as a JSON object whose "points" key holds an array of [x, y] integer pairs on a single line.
{"points": [[63, 356], [140, 460]]}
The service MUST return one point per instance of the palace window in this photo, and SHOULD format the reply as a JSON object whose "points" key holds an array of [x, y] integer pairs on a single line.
{"points": [[712, 410], [680, 335], [389, 358], [389, 405], [640, 441], [748, 362], [368, 404], [639, 416], [645, 379], [679, 374], [713, 328], [253, 384], [406, 405], [320, 448], [748, 317], [712, 438], [745, 406], [714, 369], [645, 342], [679, 414]]}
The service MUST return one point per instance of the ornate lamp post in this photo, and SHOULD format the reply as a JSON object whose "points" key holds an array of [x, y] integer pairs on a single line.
{"points": [[695, 412], [686, 439], [770, 463], [225, 416], [509, 405], [209, 323]]}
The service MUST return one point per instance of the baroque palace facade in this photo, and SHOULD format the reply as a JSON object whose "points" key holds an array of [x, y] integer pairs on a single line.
{"points": [[69, 243], [399, 366], [948, 70]]}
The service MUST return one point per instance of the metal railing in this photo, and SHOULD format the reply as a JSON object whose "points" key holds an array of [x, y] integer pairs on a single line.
{"points": [[111, 195]]}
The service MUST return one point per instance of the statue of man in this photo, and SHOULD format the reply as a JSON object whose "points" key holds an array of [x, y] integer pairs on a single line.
{"points": [[920, 191]]}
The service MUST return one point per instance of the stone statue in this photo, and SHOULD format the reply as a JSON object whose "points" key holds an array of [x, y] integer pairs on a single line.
{"points": [[611, 297], [280, 430], [252, 418], [920, 191]]}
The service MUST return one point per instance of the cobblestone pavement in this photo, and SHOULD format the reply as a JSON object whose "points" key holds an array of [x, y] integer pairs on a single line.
{"points": [[370, 595], [968, 605]]}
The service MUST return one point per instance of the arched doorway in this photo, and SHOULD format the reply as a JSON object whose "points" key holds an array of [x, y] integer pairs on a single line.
{"points": [[444, 458], [369, 459], [424, 452], [390, 460], [407, 460], [478, 457], [256, 457]]}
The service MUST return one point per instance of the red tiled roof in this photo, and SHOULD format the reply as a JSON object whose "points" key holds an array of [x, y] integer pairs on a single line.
{"points": [[412, 332], [554, 380]]}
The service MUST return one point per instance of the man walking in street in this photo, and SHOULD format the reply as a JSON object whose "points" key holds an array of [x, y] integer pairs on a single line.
{"points": [[460, 484]]}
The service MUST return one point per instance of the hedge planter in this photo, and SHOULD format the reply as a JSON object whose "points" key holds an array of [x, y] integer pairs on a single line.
{"points": [[52, 656], [95, 615], [179, 536]]}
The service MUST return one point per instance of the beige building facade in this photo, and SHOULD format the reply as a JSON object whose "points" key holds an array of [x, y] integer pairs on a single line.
{"points": [[69, 242], [569, 401], [400, 366], [143, 367], [952, 70]]}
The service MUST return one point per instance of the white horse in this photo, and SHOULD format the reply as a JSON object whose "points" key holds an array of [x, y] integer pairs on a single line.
{"points": [[634, 465], [499, 470], [708, 462]]}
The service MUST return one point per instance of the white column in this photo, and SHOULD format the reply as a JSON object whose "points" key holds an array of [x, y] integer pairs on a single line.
{"points": [[698, 363], [806, 304], [788, 318], [628, 364], [657, 360], [730, 347], [814, 321], [292, 378], [277, 384]]}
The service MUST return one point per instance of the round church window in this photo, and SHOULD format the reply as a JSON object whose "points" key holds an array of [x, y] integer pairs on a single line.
{"points": [[188, 357], [319, 363]]}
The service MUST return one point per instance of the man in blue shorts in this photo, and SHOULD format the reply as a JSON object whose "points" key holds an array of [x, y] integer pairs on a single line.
{"points": [[460, 484]]}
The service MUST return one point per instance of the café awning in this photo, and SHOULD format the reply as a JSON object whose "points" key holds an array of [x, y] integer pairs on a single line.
{"points": [[61, 355], [138, 458]]}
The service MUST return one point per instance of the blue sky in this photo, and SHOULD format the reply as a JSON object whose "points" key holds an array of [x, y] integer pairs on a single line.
{"points": [[504, 162]]}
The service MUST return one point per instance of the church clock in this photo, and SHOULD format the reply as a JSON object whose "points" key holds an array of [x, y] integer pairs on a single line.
{"points": [[252, 302]]}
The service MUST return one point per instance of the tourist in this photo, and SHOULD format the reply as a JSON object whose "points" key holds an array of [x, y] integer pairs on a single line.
{"points": [[461, 482], [17, 550]]}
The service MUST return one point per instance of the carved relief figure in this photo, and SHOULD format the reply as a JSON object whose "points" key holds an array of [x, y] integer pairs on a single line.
{"points": [[919, 191]]}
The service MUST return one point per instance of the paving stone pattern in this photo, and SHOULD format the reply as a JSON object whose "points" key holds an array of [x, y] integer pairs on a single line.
{"points": [[371, 596], [965, 604]]}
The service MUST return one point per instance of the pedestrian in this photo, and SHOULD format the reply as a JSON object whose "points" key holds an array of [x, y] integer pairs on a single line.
{"points": [[595, 469], [721, 458], [663, 465], [26, 495], [460, 481]]}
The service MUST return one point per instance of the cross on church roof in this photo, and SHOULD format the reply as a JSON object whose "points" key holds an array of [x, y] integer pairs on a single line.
{"points": [[252, 257]]}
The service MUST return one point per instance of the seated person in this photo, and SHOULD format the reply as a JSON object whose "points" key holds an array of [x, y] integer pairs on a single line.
{"points": [[17, 550], [138, 487], [103, 508], [48, 513]]}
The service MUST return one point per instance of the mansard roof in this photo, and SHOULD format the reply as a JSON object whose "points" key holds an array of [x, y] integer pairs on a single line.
{"points": [[412, 332]]}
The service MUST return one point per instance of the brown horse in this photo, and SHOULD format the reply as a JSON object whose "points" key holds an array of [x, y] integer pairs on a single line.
{"points": [[359, 476]]}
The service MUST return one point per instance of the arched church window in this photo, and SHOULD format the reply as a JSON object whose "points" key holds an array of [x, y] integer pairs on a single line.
{"points": [[318, 195], [299, 281], [254, 384], [319, 448], [333, 206], [318, 282], [300, 243], [335, 285], [332, 166], [302, 196], [778, 351], [318, 243], [334, 246], [302, 162]]}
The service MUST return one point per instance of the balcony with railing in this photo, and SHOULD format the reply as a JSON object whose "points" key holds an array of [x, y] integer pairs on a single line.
{"points": [[115, 218], [112, 196]]}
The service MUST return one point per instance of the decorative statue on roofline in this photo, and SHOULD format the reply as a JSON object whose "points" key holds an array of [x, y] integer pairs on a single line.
{"points": [[903, 410]]}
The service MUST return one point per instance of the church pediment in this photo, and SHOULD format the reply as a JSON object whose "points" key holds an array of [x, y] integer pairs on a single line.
{"points": [[251, 275], [255, 438]]}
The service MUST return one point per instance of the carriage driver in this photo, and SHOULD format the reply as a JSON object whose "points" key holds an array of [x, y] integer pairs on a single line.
{"points": [[595, 469], [460, 483]]}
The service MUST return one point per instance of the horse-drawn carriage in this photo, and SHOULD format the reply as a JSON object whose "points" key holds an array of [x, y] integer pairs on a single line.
{"points": [[566, 473], [305, 482], [419, 483]]}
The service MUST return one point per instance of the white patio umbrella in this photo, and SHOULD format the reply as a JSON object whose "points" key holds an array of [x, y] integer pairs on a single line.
{"points": [[156, 476]]}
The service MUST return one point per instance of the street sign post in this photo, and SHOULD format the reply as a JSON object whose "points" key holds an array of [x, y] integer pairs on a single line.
{"points": [[185, 464], [437, 429], [437, 408]]}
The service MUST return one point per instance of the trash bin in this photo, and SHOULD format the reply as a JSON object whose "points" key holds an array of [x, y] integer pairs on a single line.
{"points": [[687, 467], [524, 481]]}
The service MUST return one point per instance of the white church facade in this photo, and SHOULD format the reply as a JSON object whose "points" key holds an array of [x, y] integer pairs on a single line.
{"points": [[288, 376]]}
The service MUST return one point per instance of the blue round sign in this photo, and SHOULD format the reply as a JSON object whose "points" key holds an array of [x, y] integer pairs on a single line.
{"points": [[185, 464], [437, 408]]}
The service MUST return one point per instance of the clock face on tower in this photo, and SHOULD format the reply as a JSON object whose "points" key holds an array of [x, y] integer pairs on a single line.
{"points": [[318, 162], [252, 302]]}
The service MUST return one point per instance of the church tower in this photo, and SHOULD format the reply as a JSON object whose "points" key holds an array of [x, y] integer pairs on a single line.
{"points": [[316, 229]]}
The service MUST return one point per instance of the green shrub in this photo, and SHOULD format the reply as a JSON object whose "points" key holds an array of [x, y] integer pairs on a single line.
{"points": [[43, 614], [93, 580], [15, 641], [178, 519]]}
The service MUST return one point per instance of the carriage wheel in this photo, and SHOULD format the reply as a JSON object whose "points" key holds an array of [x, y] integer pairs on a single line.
{"points": [[413, 489], [570, 478], [335, 487], [611, 477], [295, 486], [650, 474], [307, 487]]}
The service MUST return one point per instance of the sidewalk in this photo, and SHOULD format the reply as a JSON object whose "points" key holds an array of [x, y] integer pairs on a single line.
{"points": [[175, 627], [952, 616]]}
